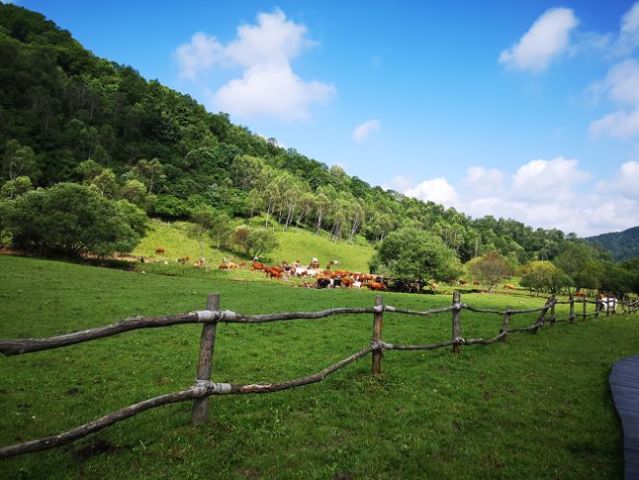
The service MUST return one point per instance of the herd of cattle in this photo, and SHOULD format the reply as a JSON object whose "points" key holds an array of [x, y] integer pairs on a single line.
{"points": [[315, 277]]}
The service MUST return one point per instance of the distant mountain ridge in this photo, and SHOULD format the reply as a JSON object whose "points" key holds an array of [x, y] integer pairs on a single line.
{"points": [[621, 245]]}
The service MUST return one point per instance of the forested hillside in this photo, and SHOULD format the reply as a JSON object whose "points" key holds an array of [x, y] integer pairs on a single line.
{"points": [[67, 115], [621, 245]]}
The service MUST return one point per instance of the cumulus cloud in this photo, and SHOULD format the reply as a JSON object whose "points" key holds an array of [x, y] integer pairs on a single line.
{"points": [[436, 190], [366, 129], [271, 90], [545, 41], [268, 87], [547, 178], [624, 183], [619, 124], [621, 86], [202, 53], [544, 193]]}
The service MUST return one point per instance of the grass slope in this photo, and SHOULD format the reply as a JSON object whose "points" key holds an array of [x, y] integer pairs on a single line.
{"points": [[298, 244], [174, 238], [536, 406], [295, 244]]}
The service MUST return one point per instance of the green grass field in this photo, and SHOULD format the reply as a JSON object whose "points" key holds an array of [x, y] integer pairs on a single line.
{"points": [[295, 243], [535, 406]]}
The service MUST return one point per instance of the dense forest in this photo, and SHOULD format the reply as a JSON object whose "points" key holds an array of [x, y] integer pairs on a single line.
{"points": [[68, 116], [621, 245]]}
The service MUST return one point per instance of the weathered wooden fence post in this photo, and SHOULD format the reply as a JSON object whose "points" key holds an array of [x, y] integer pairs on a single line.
{"points": [[553, 316], [378, 324], [571, 316], [597, 303], [456, 321], [541, 319], [205, 363], [505, 323]]}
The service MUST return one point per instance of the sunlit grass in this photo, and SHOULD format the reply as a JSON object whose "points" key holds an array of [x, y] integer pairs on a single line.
{"points": [[535, 406]]}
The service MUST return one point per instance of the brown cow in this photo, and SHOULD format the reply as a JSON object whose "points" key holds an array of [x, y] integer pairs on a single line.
{"points": [[347, 282], [257, 266], [273, 272], [160, 251], [376, 286]]}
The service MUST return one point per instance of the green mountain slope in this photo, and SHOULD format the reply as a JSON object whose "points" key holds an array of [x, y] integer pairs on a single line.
{"points": [[621, 245]]}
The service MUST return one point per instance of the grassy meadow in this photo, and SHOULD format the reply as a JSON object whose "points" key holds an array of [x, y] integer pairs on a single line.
{"points": [[535, 406], [295, 243]]}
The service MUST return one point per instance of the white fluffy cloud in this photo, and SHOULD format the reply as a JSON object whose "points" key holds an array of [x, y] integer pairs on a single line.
{"points": [[268, 87], [622, 82], [552, 179], [436, 190], [619, 124], [543, 193], [364, 130], [621, 86], [546, 40], [625, 182], [271, 90], [201, 54]]}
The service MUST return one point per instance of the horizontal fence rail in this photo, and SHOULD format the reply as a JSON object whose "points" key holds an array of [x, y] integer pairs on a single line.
{"points": [[213, 315]]}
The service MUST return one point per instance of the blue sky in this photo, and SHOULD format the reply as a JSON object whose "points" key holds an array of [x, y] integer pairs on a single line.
{"points": [[521, 109]]}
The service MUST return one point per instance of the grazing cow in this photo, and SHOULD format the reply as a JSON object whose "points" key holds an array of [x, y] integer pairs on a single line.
{"points": [[257, 266], [160, 251], [199, 263], [183, 260], [273, 272], [607, 303], [377, 286]]}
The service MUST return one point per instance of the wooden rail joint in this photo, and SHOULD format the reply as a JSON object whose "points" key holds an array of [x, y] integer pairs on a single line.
{"points": [[378, 345]]}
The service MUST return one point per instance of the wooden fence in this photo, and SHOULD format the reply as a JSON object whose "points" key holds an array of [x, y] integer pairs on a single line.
{"points": [[212, 316]]}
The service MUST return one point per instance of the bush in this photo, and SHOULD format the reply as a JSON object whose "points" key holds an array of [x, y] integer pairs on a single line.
{"points": [[544, 276], [72, 219], [255, 241]]}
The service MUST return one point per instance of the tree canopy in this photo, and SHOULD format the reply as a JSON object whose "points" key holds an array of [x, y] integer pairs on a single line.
{"points": [[414, 254], [72, 219]]}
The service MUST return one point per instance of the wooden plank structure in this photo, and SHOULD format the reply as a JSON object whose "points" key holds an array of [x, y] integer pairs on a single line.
{"points": [[624, 384], [203, 388]]}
